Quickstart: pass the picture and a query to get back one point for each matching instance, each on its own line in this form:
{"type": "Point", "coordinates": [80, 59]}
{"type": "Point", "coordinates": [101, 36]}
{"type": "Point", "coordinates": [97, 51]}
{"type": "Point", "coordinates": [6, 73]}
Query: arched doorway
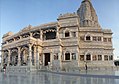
{"type": "Point", "coordinates": [24, 56]}
{"type": "Point", "coordinates": [5, 59]}
{"type": "Point", "coordinates": [14, 58]}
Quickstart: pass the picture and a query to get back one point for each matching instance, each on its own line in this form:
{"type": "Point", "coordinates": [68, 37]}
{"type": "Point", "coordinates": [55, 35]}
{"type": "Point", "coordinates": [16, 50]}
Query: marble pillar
{"type": "Point", "coordinates": [51, 56]}
{"type": "Point", "coordinates": [19, 52]}
{"type": "Point", "coordinates": [91, 56]}
{"type": "Point", "coordinates": [9, 53]}
{"type": "Point", "coordinates": [35, 55]}
{"type": "Point", "coordinates": [41, 34]}
{"type": "Point", "coordinates": [102, 57]}
{"type": "Point", "coordinates": [43, 59]}
{"type": "Point", "coordinates": [30, 55]}
{"type": "Point", "coordinates": [60, 59]}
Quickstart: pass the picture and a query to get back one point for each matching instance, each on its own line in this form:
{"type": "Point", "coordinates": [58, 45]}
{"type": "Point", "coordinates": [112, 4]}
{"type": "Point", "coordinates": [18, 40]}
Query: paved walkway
{"type": "Point", "coordinates": [47, 77]}
{"type": "Point", "coordinates": [84, 75]}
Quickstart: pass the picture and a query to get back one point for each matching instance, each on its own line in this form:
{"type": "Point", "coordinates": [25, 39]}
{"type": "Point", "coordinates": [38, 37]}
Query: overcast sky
{"type": "Point", "coordinates": [17, 14]}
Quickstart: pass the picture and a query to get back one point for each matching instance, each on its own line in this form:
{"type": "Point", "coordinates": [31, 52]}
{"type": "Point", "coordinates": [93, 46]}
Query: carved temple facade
{"type": "Point", "coordinates": [74, 40]}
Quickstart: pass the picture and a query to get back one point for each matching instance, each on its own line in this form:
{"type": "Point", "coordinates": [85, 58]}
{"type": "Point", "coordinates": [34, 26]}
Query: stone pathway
{"type": "Point", "coordinates": [56, 78]}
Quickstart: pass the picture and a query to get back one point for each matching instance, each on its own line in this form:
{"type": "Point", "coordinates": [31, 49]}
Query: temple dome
{"type": "Point", "coordinates": [87, 14]}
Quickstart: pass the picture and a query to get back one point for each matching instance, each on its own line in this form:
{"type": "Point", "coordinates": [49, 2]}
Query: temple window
{"type": "Point", "coordinates": [105, 39]}
{"type": "Point", "coordinates": [11, 40]}
{"type": "Point", "coordinates": [109, 40]}
{"type": "Point", "coordinates": [17, 38]}
{"type": "Point", "coordinates": [99, 38]}
{"type": "Point", "coordinates": [88, 57]}
{"type": "Point", "coordinates": [25, 35]}
{"type": "Point", "coordinates": [94, 57]}
{"type": "Point", "coordinates": [36, 34]}
{"type": "Point", "coordinates": [73, 56]}
{"type": "Point", "coordinates": [111, 57]}
{"type": "Point", "coordinates": [81, 57]}
{"type": "Point", "coordinates": [105, 57]}
{"type": "Point", "coordinates": [49, 34]}
{"type": "Point", "coordinates": [67, 34]}
{"type": "Point", "coordinates": [88, 38]}
{"type": "Point", "coordinates": [99, 57]}
{"type": "Point", "coordinates": [67, 56]}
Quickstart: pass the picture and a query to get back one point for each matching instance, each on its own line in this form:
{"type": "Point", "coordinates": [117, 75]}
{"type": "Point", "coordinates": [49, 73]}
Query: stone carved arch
{"type": "Point", "coordinates": [24, 55]}
{"type": "Point", "coordinates": [14, 57]}
{"type": "Point", "coordinates": [36, 34]}
{"type": "Point", "coordinates": [67, 55]}
{"type": "Point", "coordinates": [5, 58]}
{"type": "Point", "coordinates": [25, 35]}
{"type": "Point", "coordinates": [67, 32]}
{"type": "Point", "coordinates": [88, 55]}
{"type": "Point", "coordinates": [49, 33]}
{"type": "Point", "coordinates": [88, 37]}
{"type": "Point", "coordinates": [14, 50]}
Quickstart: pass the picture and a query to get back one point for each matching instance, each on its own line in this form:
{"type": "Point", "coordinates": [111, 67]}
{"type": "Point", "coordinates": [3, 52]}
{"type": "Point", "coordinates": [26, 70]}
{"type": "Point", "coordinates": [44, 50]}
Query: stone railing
{"type": "Point", "coordinates": [101, 68]}
{"type": "Point", "coordinates": [51, 42]}
{"type": "Point", "coordinates": [107, 30]}
{"type": "Point", "coordinates": [67, 15]}
{"type": "Point", "coordinates": [20, 69]}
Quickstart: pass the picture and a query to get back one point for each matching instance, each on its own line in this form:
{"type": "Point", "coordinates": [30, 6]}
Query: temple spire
{"type": "Point", "coordinates": [86, 0]}
{"type": "Point", "coordinates": [87, 14]}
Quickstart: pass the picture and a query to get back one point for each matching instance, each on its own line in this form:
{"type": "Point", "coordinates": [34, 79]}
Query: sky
{"type": "Point", "coordinates": [17, 14]}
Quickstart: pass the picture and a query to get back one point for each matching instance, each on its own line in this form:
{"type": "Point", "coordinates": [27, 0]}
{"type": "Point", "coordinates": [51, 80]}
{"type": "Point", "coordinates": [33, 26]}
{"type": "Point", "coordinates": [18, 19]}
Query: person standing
{"type": "Point", "coordinates": [4, 68]}
{"type": "Point", "coordinates": [86, 67]}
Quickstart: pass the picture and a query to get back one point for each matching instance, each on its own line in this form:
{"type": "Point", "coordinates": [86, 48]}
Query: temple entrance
{"type": "Point", "coordinates": [47, 58]}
